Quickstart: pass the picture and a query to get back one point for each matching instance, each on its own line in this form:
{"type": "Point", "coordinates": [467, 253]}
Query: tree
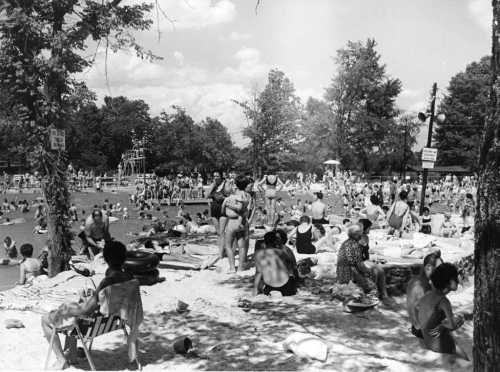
{"type": "Point", "coordinates": [273, 117]}
{"type": "Point", "coordinates": [487, 225]}
{"type": "Point", "coordinates": [217, 148]}
{"type": "Point", "coordinates": [177, 142]}
{"type": "Point", "coordinates": [317, 136]}
{"type": "Point", "coordinates": [121, 118]}
{"type": "Point", "coordinates": [362, 97]}
{"type": "Point", "coordinates": [466, 108]}
{"type": "Point", "coordinates": [42, 46]}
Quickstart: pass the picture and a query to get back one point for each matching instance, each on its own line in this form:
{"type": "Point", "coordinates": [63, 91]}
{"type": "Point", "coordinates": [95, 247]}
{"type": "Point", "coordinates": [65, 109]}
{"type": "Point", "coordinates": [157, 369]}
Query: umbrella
{"type": "Point", "coordinates": [332, 162]}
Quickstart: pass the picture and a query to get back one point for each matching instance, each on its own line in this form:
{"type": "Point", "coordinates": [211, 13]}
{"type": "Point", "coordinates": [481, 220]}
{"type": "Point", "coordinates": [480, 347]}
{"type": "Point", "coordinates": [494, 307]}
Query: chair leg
{"type": "Point", "coordinates": [52, 337]}
{"type": "Point", "coordinates": [87, 354]}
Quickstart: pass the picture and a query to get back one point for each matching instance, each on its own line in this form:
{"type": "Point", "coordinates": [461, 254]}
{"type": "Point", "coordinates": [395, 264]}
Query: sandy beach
{"type": "Point", "coordinates": [227, 338]}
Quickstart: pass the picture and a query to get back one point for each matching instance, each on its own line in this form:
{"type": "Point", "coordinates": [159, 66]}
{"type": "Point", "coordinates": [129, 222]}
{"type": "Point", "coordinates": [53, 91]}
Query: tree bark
{"type": "Point", "coordinates": [486, 350]}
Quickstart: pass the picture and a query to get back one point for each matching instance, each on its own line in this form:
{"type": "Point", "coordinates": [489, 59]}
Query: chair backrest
{"type": "Point", "coordinates": [123, 300]}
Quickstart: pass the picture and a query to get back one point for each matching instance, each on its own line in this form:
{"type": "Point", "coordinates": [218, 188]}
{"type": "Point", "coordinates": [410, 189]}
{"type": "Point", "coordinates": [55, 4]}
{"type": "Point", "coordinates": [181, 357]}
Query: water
{"type": "Point", "coordinates": [84, 201]}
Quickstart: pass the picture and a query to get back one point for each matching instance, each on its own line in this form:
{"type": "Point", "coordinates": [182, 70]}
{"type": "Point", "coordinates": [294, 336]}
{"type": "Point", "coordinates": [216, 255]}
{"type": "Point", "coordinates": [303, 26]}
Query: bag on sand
{"type": "Point", "coordinates": [306, 345]}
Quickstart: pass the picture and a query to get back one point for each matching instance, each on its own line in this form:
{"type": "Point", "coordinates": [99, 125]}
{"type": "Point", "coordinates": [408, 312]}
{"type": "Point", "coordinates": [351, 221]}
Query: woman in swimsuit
{"type": "Point", "coordinates": [237, 226]}
{"type": "Point", "coordinates": [272, 184]}
{"type": "Point", "coordinates": [304, 235]}
{"type": "Point", "coordinates": [434, 313]}
{"type": "Point", "coordinates": [30, 267]}
{"type": "Point", "coordinates": [398, 216]}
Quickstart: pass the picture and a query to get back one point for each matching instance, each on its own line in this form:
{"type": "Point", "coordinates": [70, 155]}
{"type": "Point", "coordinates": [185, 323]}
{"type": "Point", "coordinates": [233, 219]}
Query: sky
{"type": "Point", "coordinates": [215, 51]}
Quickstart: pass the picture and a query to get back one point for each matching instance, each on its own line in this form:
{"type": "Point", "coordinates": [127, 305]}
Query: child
{"type": "Point", "coordinates": [448, 228]}
{"type": "Point", "coordinates": [10, 247]}
{"type": "Point", "coordinates": [426, 222]}
{"type": "Point", "coordinates": [125, 213]}
{"type": "Point", "coordinates": [260, 218]}
{"type": "Point", "coordinates": [231, 208]}
{"type": "Point", "coordinates": [30, 267]}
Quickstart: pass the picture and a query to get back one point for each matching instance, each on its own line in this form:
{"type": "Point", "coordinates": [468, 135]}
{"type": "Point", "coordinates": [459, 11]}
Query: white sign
{"type": "Point", "coordinates": [57, 139]}
{"type": "Point", "coordinates": [427, 164]}
{"type": "Point", "coordinates": [429, 154]}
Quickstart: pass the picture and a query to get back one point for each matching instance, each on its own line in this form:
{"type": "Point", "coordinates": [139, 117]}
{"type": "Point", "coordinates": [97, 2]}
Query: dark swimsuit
{"type": "Point", "coordinates": [288, 289]}
{"type": "Point", "coordinates": [304, 243]}
{"type": "Point", "coordinates": [320, 221]}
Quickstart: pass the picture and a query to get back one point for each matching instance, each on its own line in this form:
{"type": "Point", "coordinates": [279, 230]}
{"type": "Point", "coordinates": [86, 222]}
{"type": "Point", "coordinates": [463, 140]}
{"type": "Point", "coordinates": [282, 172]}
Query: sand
{"type": "Point", "coordinates": [227, 338]}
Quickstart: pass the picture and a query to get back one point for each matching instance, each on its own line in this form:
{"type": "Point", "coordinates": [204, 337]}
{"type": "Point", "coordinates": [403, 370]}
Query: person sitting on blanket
{"type": "Point", "coordinates": [274, 267]}
{"type": "Point", "coordinates": [114, 254]}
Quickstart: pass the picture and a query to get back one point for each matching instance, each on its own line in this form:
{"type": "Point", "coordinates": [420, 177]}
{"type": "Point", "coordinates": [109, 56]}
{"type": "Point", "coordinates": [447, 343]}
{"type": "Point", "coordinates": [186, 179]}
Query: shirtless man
{"type": "Point", "coordinates": [96, 232]}
{"type": "Point", "coordinates": [275, 269]}
{"type": "Point", "coordinates": [318, 210]}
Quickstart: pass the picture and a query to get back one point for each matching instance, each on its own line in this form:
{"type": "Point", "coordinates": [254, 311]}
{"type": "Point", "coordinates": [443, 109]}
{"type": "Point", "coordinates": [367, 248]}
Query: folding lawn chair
{"type": "Point", "coordinates": [120, 305]}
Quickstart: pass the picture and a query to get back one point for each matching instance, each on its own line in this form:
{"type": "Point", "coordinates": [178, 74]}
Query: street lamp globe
{"type": "Point", "coordinates": [441, 117]}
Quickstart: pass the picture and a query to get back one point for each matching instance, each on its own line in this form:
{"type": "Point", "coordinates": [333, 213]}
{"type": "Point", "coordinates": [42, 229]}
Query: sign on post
{"type": "Point", "coordinates": [429, 154]}
{"type": "Point", "coordinates": [427, 164]}
{"type": "Point", "coordinates": [58, 139]}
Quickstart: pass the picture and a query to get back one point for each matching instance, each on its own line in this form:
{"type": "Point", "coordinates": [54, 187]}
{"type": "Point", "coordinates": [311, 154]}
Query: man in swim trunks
{"type": "Point", "coordinates": [318, 210]}
{"type": "Point", "coordinates": [96, 233]}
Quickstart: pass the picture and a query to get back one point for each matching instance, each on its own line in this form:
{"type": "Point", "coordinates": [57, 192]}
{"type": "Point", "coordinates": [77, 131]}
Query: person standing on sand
{"type": "Point", "coordinates": [270, 185]}
{"type": "Point", "coordinates": [318, 210]}
{"type": "Point", "coordinates": [237, 226]}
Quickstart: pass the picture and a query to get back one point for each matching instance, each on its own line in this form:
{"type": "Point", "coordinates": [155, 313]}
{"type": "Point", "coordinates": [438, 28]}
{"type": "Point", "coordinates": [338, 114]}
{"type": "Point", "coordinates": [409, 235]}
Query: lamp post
{"type": "Point", "coordinates": [422, 116]}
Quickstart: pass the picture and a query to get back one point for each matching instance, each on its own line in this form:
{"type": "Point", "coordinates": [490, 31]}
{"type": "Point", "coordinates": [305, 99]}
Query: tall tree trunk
{"type": "Point", "coordinates": [487, 249]}
{"type": "Point", "coordinates": [54, 183]}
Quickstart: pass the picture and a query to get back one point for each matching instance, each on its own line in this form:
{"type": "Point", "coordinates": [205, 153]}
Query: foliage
{"type": "Point", "coordinates": [466, 108]}
{"type": "Point", "coordinates": [362, 97]}
{"type": "Point", "coordinates": [273, 115]}
{"type": "Point", "coordinates": [317, 136]}
{"type": "Point", "coordinates": [43, 42]}
{"type": "Point", "coordinates": [180, 144]}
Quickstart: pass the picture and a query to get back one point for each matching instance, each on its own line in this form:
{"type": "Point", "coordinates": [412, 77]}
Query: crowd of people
{"type": "Point", "coordinates": [289, 228]}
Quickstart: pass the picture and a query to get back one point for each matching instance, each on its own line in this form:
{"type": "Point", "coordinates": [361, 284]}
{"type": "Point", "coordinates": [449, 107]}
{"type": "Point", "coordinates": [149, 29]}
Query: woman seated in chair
{"type": "Point", "coordinates": [114, 254]}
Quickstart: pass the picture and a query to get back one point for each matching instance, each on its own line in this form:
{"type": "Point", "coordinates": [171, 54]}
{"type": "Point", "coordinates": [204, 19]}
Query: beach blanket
{"type": "Point", "coordinates": [46, 295]}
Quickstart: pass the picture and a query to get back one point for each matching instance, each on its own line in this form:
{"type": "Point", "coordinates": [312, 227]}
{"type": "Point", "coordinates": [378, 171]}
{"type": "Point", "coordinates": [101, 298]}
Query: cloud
{"type": "Point", "coordinates": [179, 57]}
{"type": "Point", "coordinates": [237, 36]}
{"type": "Point", "coordinates": [410, 93]}
{"type": "Point", "coordinates": [200, 91]}
{"type": "Point", "coordinates": [191, 14]}
{"type": "Point", "coordinates": [482, 13]}
{"type": "Point", "coordinates": [249, 69]}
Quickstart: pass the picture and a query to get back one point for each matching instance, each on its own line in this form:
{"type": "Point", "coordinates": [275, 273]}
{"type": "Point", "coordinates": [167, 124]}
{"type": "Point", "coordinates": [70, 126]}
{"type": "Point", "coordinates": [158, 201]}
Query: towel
{"type": "Point", "coordinates": [124, 300]}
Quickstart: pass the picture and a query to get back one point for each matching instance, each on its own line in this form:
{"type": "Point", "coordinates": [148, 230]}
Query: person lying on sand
{"type": "Point", "coordinates": [114, 254]}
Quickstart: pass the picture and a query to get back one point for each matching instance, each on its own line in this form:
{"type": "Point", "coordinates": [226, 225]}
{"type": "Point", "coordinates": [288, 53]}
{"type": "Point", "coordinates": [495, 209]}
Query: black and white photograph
{"type": "Point", "coordinates": [250, 185]}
